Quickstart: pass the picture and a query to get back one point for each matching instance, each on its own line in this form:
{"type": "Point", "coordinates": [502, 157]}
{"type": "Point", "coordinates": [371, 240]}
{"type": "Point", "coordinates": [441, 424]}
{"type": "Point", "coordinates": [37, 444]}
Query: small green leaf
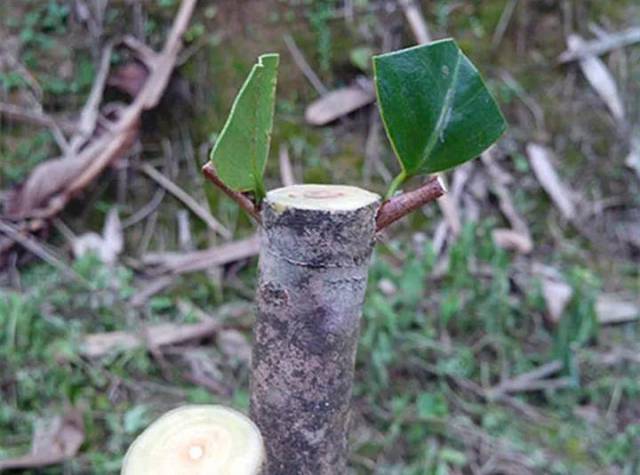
{"type": "Point", "coordinates": [135, 419]}
{"type": "Point", "coordinates": [436, 109]}
{"type": "Point", "coordinates": [361, 57]}
{"type": "Point", "coordinates": [453, 456]}
{"type": "Point", "coordinates": [240, 153]}
{"type": "Point", "coordinates": [431, 405]}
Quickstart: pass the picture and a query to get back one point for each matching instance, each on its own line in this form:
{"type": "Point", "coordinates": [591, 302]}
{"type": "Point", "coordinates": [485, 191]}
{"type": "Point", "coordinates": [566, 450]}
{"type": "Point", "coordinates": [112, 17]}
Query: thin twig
{"type": "Point", "coordinates": [405, 203]}
{"type": "Point", "coordinates": [33, 246]}
{"type": "Point", "coordinates": [148, 232]}
{"type": "Point", "coordinates": [96, 345]}
{"type": "Point", "coordinates": [601, 46]}
{"type": "Point", "coordinates": [243, 201]}
{"type": "Point", "coordinates": [544, 170]}
{"type": "Point", "coordinates": [416, 21]}
{"type": "Point", "coordinates": [146, 210]}
{"type": "Point", "coordinates": [527, 100]}
{"type": "Point", "coordinates": [450, 205]}
{"type": "Point", "coordinates": [503, 23]}
{"type": "Point", "coordinates": [185, 262]}
{"type": "Point", "coordinates": [14, 64]}
{"type": "Point", "coordinates": [163, 67]}
{"type": "Point", "coordinates": [91, 109]}
{"type": "Point", "coordinates": [185, 240]}
{"type": "Point", "coordinates": [25, 115]}
{"type": "Point", "coordinates": [41, 197]}
{"type": "Point", "coordinates": [189, 202]}
{"type": "Point", "coordinates": [532, 381]}
{"type": "Point", "coordinates": [146, 54]}
{"type": "Point", "coordinates": [59, 137]}
{"type": "Point", "coordinates": [601, 80]}
{"type": "Point", "coordinates": [301, 62]}
{"type": "Point", "coordinates": [151, 288]}
{"type": "Point", "coordinates": [286, 171]}
{"type": "Point", "coordinates": [519, 228]}
{"type": "Point", "coordinates": [522, 407]}
{"type": "Point", "coordinates": [21, 114]}
{"type": "Point", "coordinates": [372, 147]}
{"type": "Point", "coordinates": [537, 373]}
{"type": "Point", "coordinates": [534, 385]}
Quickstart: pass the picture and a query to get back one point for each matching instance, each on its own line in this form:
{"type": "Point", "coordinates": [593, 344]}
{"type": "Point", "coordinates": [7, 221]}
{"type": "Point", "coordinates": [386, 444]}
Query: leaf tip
{"type": "Point", "coordinates": [269, 60]}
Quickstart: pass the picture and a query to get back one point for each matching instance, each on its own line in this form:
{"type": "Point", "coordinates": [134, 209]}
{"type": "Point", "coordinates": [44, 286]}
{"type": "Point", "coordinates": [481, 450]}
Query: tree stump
{"type": "Point", "coordinates": [316, 247]}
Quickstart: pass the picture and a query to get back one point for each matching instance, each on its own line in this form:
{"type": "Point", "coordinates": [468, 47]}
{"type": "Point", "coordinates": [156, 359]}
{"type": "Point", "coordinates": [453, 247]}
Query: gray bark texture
{"type": "Point", "coordinates": [312, 281]}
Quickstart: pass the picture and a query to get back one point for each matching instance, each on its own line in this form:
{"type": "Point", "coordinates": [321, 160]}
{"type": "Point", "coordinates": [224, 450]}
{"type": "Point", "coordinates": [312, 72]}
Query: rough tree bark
{"type": "Point", "coordinates": [315, 251]}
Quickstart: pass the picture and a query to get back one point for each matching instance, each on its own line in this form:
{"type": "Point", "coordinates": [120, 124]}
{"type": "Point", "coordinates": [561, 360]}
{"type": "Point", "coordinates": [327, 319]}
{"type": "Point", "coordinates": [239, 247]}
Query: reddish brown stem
{"type": "Point", "coordinates": [401, 205]}
{"type": "Point", "coordinates": [243, 201]}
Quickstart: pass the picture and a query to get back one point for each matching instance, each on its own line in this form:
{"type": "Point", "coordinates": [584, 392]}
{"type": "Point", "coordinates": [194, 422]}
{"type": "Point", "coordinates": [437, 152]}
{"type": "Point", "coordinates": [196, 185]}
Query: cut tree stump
{"type": "Point", "coordinates": [314, 257]}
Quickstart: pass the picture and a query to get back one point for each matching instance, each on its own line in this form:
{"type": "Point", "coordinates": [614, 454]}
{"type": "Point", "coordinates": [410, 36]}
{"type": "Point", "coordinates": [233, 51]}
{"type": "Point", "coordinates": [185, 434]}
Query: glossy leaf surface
{"type": "Point", "coordinates": [436, 109]}
{"type": "Point", "coordinates": [240, 153]}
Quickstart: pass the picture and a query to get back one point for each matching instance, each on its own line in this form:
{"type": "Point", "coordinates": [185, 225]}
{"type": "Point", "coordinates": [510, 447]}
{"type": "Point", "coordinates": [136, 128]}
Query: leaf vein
{"type": "Point", "coordinates": [445, 112]}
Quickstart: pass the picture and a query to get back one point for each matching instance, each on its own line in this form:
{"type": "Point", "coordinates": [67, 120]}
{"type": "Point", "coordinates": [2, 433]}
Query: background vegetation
{"type": "Point", "coordinates": [453, 318]}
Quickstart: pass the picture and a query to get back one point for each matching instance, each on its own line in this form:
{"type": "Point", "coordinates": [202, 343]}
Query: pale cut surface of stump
{"type": "Point", "coordinates": [315, 252]}
{"type": "Point", "coordinates": [197, 440]}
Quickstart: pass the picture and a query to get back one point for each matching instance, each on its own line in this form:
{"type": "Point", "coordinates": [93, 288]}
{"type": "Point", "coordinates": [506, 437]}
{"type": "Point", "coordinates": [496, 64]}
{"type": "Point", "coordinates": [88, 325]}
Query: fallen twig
{"type": "Point", "coordinates": [286, 170]}
{"type": "Point", "coordinates": [562, 196]}
{"type": "Point", "coordinates": [53, 442]}
{"type": "Point", "coordinates": [614, 309]}
{"type": "Point", "coordinates": [91, 110]}
{"type": "Point", "coordinates": [519, 236]}
{"type": "Point", "coordinates": [185, 239]}
{"type": "Point", "coordinates": [600, 79]}
{"type": "Point", "coordinates": [200, 378]}
{"type": "Point", "coordinates": [531, 381]}
{"type": "Point", "coordinates": [301, 62]}
{"type": "Point", "coordinates": [615, 356]}
{"type": "Point", "coordinates": [633, 159]}
{"type": "Point", "coordinates": [34, 117]}
{"type": "Point", "coordinates": [155, 336]}
{"type": "Point", "coordinates": [181, 263]}
{"type": "Point", "coordinates": [189, 202]}
{"type": "Point", "coordinates": [54, 183]}
{"type": "Point", "coordinates": [503, 23]}
{"type": "Point", "coordinates": [416, 21]}
{"type": "Point", "coordinates": [146, 210]}
{"type": "Point", "coordinates": [601, 46]}
{"type": "Point", "coordinates": [162, 67]}
{"type": "Point", "coordinates": [525, 98]}
{"type": "Point", "coordinates": [450, 207]}
{"type": "Point", "coordinates": [372, 150]}
{"type": "Point", "coordinates": [37, 117]}
{"type": "Point", "coordinates": [610, 308]}
{"type": "Point", "coordinates": [338, 103]}
{"type": "Point", "coordinates": [522, 407]}
{"type": "Point", "coordinates": [33, 246]}
{"type": "Point", "coordinates": [146, 54]}
{"type": "Point", "coordinates": [149, 289]}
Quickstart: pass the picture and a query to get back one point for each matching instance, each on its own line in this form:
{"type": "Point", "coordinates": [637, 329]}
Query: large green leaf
{"type": "Point", "coordinates": [240, 153]}
{"type": "Point", "coordinates": [436, 108]}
